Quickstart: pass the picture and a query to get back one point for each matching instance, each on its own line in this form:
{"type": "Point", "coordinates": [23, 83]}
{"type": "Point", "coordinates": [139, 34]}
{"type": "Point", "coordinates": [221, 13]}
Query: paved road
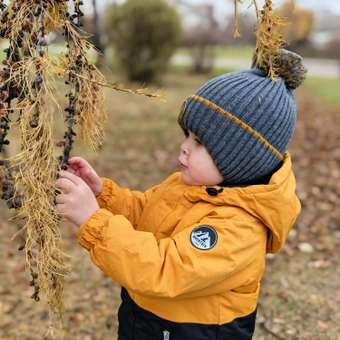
{"type": "Point", "coordinates": [316, 67]}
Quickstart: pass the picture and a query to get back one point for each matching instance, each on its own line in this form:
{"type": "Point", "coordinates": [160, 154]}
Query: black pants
{"type": "Point", "coordinates": [136, 323]}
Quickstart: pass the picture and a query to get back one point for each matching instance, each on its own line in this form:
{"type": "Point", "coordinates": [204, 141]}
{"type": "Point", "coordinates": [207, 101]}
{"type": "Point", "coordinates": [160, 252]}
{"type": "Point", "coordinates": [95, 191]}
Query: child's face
{"type": "Point", "coordinates": [196, 165]}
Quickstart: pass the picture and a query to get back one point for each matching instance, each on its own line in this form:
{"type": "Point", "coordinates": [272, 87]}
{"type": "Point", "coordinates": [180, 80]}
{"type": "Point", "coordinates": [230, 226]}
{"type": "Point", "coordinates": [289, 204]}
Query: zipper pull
{"type": "Point", "coordinates": [166, 335]}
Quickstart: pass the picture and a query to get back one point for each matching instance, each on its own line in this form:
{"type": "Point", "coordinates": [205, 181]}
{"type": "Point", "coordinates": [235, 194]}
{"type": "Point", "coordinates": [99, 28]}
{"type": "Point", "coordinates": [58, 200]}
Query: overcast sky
{"type": "Point", "coordinates": [225, 6]}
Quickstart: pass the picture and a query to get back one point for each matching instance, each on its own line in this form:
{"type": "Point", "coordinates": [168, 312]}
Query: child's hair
{"type": "Point", "coordinates": [246, 120]}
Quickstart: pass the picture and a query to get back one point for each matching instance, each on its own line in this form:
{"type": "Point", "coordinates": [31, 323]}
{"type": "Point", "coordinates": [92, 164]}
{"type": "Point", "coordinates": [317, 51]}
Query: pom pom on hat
{"type": "Point", "coordinates": [289, 67]}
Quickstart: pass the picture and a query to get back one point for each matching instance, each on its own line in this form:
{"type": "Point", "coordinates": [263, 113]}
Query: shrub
{"type": "Point", "coordinates": [144, 34]}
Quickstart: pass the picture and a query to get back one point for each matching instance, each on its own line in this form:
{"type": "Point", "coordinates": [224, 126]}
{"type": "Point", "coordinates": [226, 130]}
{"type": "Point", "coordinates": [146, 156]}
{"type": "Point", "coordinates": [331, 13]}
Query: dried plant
{"type": "Point", "coordinates": [269, 38]}
{"type": "Point", "coordinates": [236, 32]}
{"type": "Point", "coordinates": [27, 88]}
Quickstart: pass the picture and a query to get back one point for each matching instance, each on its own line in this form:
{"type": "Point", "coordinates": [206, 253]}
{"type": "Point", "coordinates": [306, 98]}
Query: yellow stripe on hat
{"type": "Point", "coordinates": [240, 123]}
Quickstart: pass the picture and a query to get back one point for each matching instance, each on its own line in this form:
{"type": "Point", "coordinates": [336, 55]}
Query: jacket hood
{"type": "Point", "coordinates": [274, 204]}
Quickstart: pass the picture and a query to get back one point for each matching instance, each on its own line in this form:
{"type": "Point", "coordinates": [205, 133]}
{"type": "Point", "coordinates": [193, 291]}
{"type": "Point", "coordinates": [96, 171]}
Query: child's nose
{"type": "Point", "coordinates": [184, 148]}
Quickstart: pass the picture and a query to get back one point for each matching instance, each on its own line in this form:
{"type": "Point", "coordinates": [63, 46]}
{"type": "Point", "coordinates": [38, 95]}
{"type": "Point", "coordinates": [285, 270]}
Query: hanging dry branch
{"type": "Point", "coordinates": [269, 40]}
{"type": "Point", "coordinates": [35, 168]}
{"type": "Point", "coordinates": [236, 32]}
{"type": "Point", "coordinates": [27, 88]}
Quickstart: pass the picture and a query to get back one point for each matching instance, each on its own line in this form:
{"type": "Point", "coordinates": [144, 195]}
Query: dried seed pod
{"type": "Point", "coordinates": [25, 25]}
{"type": "Point", "coordinates": [2, 6]}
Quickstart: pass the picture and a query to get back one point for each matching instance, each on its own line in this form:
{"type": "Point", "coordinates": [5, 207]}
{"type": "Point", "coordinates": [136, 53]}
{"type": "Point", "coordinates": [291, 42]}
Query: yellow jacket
{"type": "Point", "coordinates": [147, 242]}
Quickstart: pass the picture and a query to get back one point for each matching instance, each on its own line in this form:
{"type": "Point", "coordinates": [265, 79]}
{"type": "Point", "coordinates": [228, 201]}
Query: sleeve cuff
{"type": "Point", "coordinates": [91, 231]}
{"type": "Point", "coordinates": [106, 192]}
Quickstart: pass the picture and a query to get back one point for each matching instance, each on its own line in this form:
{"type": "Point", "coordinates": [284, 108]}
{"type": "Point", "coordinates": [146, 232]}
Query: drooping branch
{"type": "Point", "coordinates": [27, 101]}
{"type": "Point", "coordinates": [269, 39]}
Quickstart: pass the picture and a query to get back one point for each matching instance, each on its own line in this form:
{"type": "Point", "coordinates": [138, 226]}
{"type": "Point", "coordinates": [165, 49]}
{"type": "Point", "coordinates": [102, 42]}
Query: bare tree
{"type": "Point", "coordinates": [201, 37]}
{"type": "Point", "coordinates": [96, 34]}
{"type": "Point", "coordinates": [301, 22]}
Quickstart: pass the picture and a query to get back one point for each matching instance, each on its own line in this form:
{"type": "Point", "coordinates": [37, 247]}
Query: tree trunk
{"type": "Point", "coordinates": [96, 34]}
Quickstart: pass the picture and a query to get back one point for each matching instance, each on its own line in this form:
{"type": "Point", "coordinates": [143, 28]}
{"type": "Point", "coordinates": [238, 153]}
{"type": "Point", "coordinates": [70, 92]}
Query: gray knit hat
{"type": "Point", "coordinates": [245, 119]}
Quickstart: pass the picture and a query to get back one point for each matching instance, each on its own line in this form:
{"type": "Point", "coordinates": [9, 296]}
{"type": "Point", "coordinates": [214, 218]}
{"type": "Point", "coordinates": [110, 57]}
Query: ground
{"type": "Point", "coordinates": [300, 296]}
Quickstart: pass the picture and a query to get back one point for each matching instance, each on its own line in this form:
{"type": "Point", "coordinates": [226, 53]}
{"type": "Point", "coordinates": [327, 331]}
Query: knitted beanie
{"type": "Point", "coordinates": [245, 119]}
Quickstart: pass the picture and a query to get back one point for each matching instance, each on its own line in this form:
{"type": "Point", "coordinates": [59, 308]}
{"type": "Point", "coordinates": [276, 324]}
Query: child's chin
{"type": "Point", "coordinates": [187, 180]}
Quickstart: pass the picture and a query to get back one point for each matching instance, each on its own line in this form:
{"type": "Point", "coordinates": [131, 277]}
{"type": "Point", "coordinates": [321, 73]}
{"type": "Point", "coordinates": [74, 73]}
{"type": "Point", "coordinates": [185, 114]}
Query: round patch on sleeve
{"type": "Point", "coordinates": [203, 237]}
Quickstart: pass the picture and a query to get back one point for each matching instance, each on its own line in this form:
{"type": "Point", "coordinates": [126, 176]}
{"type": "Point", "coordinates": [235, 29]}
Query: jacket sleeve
{"type": "Point", "coordinates": [170, 267]}
{"type": "Point", "coordinates": [123, 201]}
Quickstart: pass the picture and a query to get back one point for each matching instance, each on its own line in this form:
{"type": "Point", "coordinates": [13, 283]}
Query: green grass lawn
{"type": "Point", "coordinates": [326, 88]}
{"type": "Point", "coordinates": [243, 52]}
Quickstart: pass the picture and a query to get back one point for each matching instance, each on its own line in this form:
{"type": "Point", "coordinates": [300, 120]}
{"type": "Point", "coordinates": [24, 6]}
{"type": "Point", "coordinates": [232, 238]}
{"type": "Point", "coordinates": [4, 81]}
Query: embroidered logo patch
{"type": "Point", "coordinates": [204, 237]}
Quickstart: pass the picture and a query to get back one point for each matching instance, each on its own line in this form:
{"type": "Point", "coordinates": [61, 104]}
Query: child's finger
{"type": "Point", "coordinates": [70, 170]}
{"type": "Point", "coordinates": [64, 185]}
{"type": "Point", "coordinates": [60, 199]}
{"type": "Point", "coordinates": [74, 163]}
{"type": "Point", "coordinates": [73, 178]}
{"type": "Point", "coordinates": [78, 162]}
{"type": "Point", "coordinates": [75, 160]}
{"type": "Point", "coordinates": [88, 174]}
{"type": "Point", "coordinates": [61, 209]}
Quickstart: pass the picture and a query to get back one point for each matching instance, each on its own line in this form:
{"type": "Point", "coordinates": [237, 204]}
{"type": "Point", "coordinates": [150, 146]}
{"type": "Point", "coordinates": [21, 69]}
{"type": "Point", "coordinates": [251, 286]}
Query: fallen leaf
{"type": "Point", "coordinates": [319, 264]}
{"type": "Point", "coordinates": [323, 326]}
{"type": "Point", "coordinates": [277, 320]}
{"type": "Point", "coordinates": [306, 247]}
{"type": "Point", "coordinates": [290, 331]}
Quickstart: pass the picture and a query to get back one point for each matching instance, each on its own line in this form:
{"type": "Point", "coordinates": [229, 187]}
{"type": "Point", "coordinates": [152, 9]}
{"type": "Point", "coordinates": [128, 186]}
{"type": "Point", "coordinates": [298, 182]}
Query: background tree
{"type": "Point", "coordinates": [93, 27]}
{"type": "Point", "coordinates": [145, 35]}
{"type": "Point", "coordinates": [201, 33]}
{"type": "Point", "coordinates": [201, 40]}
{"type": "Point", "coordinates": [96, 34]}
{"type": "Point", "coordinates": [300, 23]}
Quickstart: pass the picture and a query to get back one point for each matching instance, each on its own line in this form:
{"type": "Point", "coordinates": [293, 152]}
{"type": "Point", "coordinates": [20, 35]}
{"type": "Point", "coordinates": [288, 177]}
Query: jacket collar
{"type": "Point", "coordinates": [222, 195]}
{"type": "Point", "coordinates": [274, 204]}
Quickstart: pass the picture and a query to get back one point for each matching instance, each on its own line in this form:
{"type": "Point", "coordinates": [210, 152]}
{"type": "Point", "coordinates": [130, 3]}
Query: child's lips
{"type": "Point", "coordinates": [182, 166]}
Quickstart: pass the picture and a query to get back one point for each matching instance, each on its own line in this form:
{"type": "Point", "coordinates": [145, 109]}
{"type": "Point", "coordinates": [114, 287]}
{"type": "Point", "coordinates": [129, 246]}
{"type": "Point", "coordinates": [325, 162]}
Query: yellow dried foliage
{"type": "Point", "coordinates": [35, 175]}
{"type": "Point", "coordinates": [300, 21]}
{"type": "Point", "coordinates": [33, 76]}
{"type": "Point", "coordinates": [269, 39]}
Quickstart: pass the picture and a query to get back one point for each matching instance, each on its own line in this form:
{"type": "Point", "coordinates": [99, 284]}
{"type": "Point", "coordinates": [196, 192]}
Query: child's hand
{"type": "Point", "coordinates": [84, 170]}
{"type": "Point", "coordinates": [76, 202]}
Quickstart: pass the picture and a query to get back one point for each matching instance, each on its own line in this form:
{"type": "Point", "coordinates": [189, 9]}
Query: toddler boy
{"type": "Point", "coordinates": [190, 252]}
